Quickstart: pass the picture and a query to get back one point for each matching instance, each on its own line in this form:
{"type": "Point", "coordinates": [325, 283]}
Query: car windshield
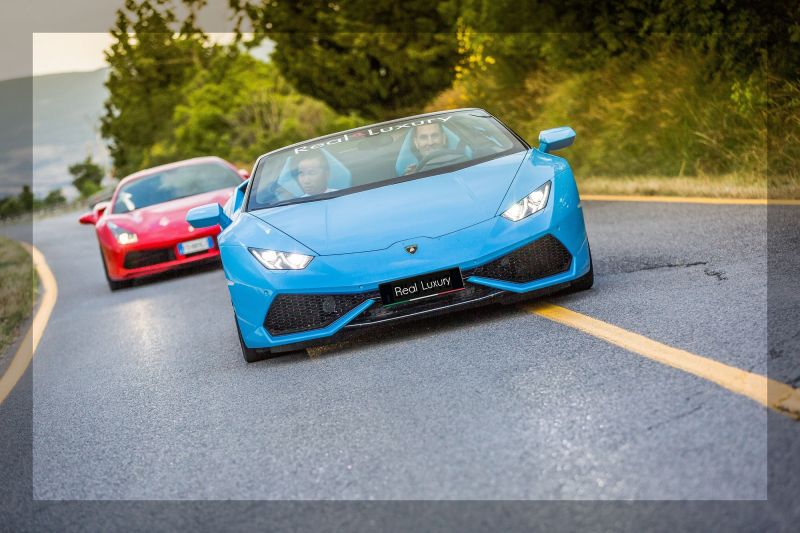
{"type": "Point", "coordinates": [378, 155]}
{"type": "Point", "coordinates": [174, 183]}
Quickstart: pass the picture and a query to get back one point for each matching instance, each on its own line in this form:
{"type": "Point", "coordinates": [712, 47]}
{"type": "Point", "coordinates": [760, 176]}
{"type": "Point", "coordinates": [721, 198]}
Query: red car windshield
{"type": "Point", "coordinates": [174, 183]}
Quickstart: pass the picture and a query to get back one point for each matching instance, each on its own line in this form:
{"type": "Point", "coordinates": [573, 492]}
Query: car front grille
{"type": "Point", "coordinates": [143, 258]}
{"type": "Point", "coordinates": [542, 258]}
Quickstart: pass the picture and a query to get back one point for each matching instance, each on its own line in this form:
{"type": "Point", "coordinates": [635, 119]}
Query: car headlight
{"type": "Point", "coordinates": [533, 203]}
{"type": "Point", "coordinates": [275, 260]}
{"type": "Point", "coordinates": [122, 235]}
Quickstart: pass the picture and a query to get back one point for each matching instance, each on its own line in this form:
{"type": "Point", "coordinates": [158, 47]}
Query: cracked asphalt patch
{"type": "Point", "coordinates": [629, 265]}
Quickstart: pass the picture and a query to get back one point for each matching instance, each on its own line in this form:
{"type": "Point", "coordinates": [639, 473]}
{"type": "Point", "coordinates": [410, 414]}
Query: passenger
{"type": "Point", "coordinates": [312, 173]}
{"type": "Point", "coordinates": [427, 139]}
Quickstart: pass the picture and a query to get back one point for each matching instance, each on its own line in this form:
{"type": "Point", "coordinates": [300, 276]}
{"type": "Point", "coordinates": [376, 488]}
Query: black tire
{"type": "Point", "coordinates": [114, 285]}
{"type": "Point", "coordinates": [585, 282]}
{"type": "Point", "coordinates": [251, 355]}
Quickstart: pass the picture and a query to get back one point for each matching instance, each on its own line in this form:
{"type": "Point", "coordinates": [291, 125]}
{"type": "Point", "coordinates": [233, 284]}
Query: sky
{"type": "Point", "coordinates": [79, 52]}
{"type": "Point", "coordinates": [41, 21]}
{"type": "Point", "coordinates": [68, 52]}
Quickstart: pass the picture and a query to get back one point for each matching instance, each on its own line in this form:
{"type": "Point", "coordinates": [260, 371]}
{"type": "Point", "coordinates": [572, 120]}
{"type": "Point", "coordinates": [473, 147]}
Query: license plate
{"type": "Point", "coordinates": [197, 245]}
{"type": "Point", "coordinates": [424, 286]}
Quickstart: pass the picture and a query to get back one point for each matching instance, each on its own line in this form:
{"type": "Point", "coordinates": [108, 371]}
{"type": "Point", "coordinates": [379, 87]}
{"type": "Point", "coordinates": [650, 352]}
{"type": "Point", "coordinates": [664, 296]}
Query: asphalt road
{"type": "Point", "coordinates": [143, 394]}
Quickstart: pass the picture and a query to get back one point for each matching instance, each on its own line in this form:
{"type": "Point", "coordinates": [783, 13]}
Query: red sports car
{"type": "Point", "coordinates": [143, 229]}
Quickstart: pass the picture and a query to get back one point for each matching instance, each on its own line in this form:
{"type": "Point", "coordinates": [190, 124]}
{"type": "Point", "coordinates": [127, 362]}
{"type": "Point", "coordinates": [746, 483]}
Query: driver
{"type": "Point", "coordinates": [427, 138]}
{"type": "Point", "coordinates": [312, 172]}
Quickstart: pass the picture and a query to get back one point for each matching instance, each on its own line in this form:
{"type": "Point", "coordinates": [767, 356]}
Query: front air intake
{"type": "Point", "coordinates": [542, 258]}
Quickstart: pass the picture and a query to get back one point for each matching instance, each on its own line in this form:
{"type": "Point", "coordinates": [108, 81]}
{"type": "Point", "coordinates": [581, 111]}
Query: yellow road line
{"type": "Point", "coordinates": [767, 392]}
{"type": "Point", "coordinates": [686, 200]}
{"type": "Point", "coordinates": [26, 350]}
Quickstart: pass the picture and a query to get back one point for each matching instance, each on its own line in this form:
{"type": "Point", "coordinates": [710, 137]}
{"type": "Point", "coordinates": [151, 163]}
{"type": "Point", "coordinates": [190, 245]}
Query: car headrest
{"type": "Point", "coordinates": [406, 155]}
{"type": "Point", "coordinates": [338, 177]}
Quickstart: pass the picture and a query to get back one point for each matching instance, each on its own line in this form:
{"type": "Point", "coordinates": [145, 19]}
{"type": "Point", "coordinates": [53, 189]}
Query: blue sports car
{"type": "Point", "coordinates": [398, 220]}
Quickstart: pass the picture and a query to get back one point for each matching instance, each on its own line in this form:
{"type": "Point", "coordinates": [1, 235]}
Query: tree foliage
{"type": "Point", "coordinates": [250, 111]}
{"type": "Point", "coordinates": [87, 176]}
{"type": "Point", "coordinates": [651, 86]}
{"type": "Point", "coordinates": [576, 35]}
{"type": "Point", "coordinates": [378, 59]}
{"type": "Point", "coordinates": [54, 198]}
{"type": "Point", "coordinates": [25, 202]}
{"type": "Point", "coordinates": [174, 94]}
{"type": "Point", "coordinates": [151, 60]}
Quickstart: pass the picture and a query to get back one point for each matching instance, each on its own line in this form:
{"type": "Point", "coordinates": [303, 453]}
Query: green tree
{"type": "Point", "coordinates": [86, 176]}
{"type": "Point", "coordinates": [251, 110]}
{"type": "Point", "coordinates": [9, 207]}
{"type": "Point", "coordinates": [736, 34]}
{"type": "Point", "coordinates": [54, 198]}
{"type": "Point", "coordinates": [25, 198]}
{"type": "Point", "coordinates": [660, 87]}
{"type": "Point", "coordinates": [378, 59]}
{"type": "Point", "coordinates": [151, 60]}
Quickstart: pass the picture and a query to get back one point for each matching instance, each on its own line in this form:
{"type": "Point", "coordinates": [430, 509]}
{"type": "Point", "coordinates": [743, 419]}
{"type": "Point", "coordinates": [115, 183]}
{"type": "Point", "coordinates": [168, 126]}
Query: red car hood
{"type": "Point", "coordinates": [168, 219]}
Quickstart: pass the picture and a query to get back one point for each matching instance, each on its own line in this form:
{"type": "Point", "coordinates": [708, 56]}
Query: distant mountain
{"type": "Point", "coordinates": [66, 111]}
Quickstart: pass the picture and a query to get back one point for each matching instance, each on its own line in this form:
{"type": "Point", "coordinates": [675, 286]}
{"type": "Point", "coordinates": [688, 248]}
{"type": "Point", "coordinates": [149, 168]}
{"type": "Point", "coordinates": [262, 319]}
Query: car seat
{"type": "Point", "coordinates": [339, 176]}
{"type": "Point", "coordinates": [407, 157]}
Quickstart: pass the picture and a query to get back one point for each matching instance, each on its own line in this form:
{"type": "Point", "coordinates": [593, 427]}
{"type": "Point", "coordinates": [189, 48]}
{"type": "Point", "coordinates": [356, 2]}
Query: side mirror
{"type": "Point", "coordinates": [88, 218]}
{"type": "Point", "coordinates": [556, 139]}
{"type": "Point", "coordinates": [207, 215]}
{"type": "Point", "coordinates": [243, 173]}
{"type": "Point", "coordinates": [94, 215]}
{"type": "Point", "coordinates": [100, 208]}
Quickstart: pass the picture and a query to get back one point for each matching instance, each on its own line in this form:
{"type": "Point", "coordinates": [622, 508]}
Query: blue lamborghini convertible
{"type": "Point", "coordinates": [394, 221]}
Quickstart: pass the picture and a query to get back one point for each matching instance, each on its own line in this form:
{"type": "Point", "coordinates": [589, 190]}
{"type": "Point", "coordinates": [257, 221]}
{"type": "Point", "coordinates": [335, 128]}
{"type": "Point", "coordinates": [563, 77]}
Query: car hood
{"type": "Point", "coordinates": [167, 217]}
{"type": "Point", "coordinates": [377, 218]}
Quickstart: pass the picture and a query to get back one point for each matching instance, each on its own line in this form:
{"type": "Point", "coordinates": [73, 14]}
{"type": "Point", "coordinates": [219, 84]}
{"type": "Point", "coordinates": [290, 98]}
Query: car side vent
{"type": "Point", "coordinates": [291, 313]}
{"type": "Point", "coordinates": [542, 258]}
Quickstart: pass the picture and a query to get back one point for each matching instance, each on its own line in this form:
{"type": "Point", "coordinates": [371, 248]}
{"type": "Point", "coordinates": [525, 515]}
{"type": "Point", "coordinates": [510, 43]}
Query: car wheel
{"type": "Point", "coordinates": [251, 355]}
{"type": "Point", "coordinates": [114, 285]}
{"type": "Point", "coordinates": [586, 281]}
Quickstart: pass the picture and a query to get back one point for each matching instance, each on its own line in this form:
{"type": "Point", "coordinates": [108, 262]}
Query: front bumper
{"type": "Point", "coordinates": [543, 258]}
{"type": "Point", "coordinates": [344, 288]}
{"type": "Point", "coordinates": [154, 257]}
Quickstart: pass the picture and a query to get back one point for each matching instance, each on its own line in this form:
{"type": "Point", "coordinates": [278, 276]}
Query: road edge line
{"type": "Point", "coordinates": [685, 199]}
{"type": "Point", "coordinates": [24, 355]}
{"type": "Point", "coordinates": [767, 392]}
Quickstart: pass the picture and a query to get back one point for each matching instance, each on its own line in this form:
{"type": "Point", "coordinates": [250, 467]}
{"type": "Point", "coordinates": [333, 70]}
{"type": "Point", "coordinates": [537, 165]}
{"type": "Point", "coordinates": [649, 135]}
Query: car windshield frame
{"type": "Point", "coordinates": [518, 145]}
{"type": "Point", "coordinates": [165, 171]}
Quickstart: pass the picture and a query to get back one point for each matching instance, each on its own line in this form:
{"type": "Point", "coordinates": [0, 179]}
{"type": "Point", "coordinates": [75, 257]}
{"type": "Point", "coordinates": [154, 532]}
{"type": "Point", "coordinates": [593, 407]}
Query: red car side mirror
{"type": "Point", "coordinates": [243, 173]}
{"type": "Point", "coordinates": [94, 215]}
{"type": "Point", "coordinates": [88, 218]}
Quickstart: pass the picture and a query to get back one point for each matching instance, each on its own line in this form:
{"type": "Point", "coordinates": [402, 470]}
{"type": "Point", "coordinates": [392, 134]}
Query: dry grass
{"type": "Point", "coordinates": [726, 186]}
{"type": "Point", "coordinates": [18, 287]}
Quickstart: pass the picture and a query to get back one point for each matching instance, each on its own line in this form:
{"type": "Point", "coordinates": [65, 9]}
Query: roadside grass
{"type": "Point", "coordinates": [19, 286]}
{"type": "Point", "coordinates": [733, 186]}
{"type": "Point", "coordinates": [724, 186]}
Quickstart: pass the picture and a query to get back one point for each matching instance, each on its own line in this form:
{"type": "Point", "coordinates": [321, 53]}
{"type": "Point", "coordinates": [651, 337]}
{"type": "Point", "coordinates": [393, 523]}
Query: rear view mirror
{"type": "Point", "coordinates": [207, 215]}
{"type": "Point", "coordinates": [556, 139]}
{"type": "Point", "coordinates": [94, 215]}
{"type": "Point", "coordinates": [88, 218]}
